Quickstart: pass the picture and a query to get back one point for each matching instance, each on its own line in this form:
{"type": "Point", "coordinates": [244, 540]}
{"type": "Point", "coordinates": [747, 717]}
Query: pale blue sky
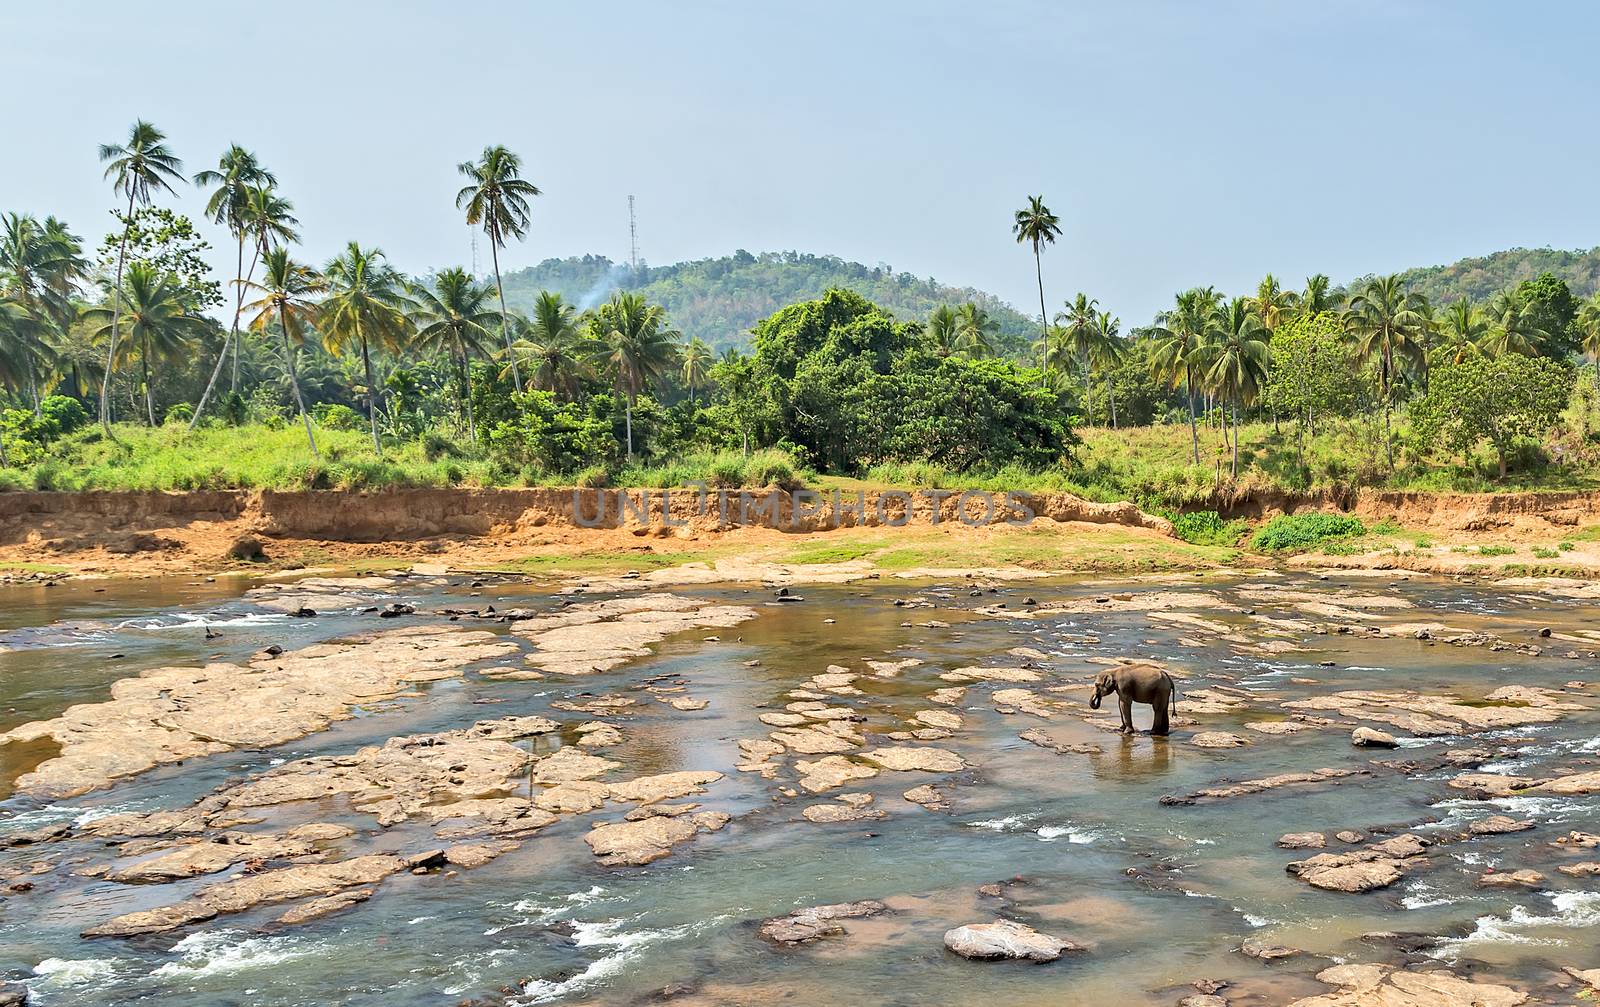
{"type": "Point", "coordinates": [1180, 142]}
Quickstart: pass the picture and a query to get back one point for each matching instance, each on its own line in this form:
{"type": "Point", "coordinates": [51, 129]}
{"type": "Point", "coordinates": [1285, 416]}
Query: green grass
{"type": "Point", "coordinates": [17, 566]}
{"type": "Point", "coordinates": [830, 553]}
{"type": "Point", "coordinates": [1206, 527]}
{"type": "Point", "coordinates": [1495, 550]}
{"type": "Point", "coordinates": [1300, 532]}
{"type": "Point", "coordinates": [1542, 553]}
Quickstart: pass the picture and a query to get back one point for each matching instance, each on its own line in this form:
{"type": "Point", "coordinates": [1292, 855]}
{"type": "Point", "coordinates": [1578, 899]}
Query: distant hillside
{"type": "Point", "coordinates": [720, 299]}
{"type": "Point", "coordinates": [1481, 278]}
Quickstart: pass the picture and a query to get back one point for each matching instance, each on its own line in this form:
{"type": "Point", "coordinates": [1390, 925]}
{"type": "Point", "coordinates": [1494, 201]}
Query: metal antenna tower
{"type": "Point", "coordinates": [474, 232]}
{"type": "Point", "coordinates": [633, 238]}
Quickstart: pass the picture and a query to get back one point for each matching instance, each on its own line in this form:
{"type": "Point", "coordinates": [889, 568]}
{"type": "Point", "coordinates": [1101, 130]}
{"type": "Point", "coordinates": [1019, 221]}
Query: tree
{"type": "Point", "coordinates": [975, 330]}
{"type": "Point", "coordinates": [632, 343]}
{"type": "Point", "coordinates": [1079, 337]}
{"type": "Point", "coordinates": [1180, 341]}
{"type": "Point", "coordinates": [365, 305]}
{"type": "Point", "coordinates": [944, 331]}
{"type": "Point", "coordinates": [1272, 304]}
{"type": "Point", "coordinates": [158, 316]}
{"type": "Point", "coordinates": [1588, 324]}
{"type": "Point", "coordinates": [1464, 330]}
{"type": "Point", "coordinates": [1513, 327]}
{"type": "Point", "coordinates": [1035, 225]}
{"type": "Point", "coordinates": [1109, 352]}
{"type": "Point", "coordinates": [1314, 300]}
{"type": "Point", "coordinates": [1551, 309]}
{"type": "Point", "coordinates": [696, 366]}
{"type": "Point", "coordinates": [1313, 371]}
{"type": "Point", "coordinates": [497, 198]}
{"type": "Point", "coordinates": [41, 265]}
{"type": "Point", "coordinates": [551, 348]}
{"type": "Point", "coordinates": [141, 165]}
{"type": "Point", "coordinates": [1388, 327]}
{"type": "Point", "coordinates": [1500, 399]}
{"type": "Point", "coordinates": [287, 290]}
{"type": "Point", "coordinates": [454, 317]}
{"type": "Point", "coordinates": [1239, 360]}
{"type": "Point", "coordinates": [237, 177]}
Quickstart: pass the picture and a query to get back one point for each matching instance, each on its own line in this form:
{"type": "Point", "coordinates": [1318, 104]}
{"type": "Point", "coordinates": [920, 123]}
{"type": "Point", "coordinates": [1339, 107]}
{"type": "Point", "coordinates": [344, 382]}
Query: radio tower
{"type": "Point", "coordinates": [474, 232]}
{"type": "Point", "coordinates": [633, 239]}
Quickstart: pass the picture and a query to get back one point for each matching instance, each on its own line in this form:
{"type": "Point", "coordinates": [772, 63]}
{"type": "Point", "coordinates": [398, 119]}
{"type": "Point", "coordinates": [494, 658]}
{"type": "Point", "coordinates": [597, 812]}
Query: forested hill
{"type": "Point", "coordinates": [1481, 278]}
{"type": "Point", "coordinates": [720, 299]}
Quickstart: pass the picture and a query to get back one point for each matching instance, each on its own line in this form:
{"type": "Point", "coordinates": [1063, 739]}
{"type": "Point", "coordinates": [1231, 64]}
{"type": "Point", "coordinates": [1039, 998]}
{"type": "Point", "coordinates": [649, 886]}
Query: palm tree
{"type": "Point", "coordinates": [454, 317]}
{"type": "Point", "coordinates": [158, 319]}
{"type": "Point", "coordinates": [1388, 326]}
{"type": "Point", "coordinates": [40, 267]}
{"type": "Point", "coordinates": [1589, 326]}
{"type": "Point", "coordinates": [1513, 329]}
{"type": "Point", "coordinates": [1079, 336]}
{"type": "Point", "coordinates": [696, 366]}
{"type": "Point", "coordinates": [365, 305]}
{"type": "Point", "coordinates": [497, 198]}
{"type": "Point", "coordinates": [975, 330]}
{"type": "Point", "coordinates": [632, 342]}
{"type": "Point", "coordinates": [1239, 360]}
{"type": "Point", "coordinates": [1464, 328]}
{"type": "Point", "coordinates": [1180, 335]}
{"type": "Point", "coordinates": [237, 177]}
{"type": "Point", "coordinates": [550, 350]}
{"type": "Point", "coordinates": [1315, 300]}
{"type": "Point", "coordinates": [137, 167]}
{"type": "Point", "coordinates": [1108, 352]}
{"type": "Point", "coordinates": [944, 330]}
{"type": "Point", "coordinates": [1272, 303]}
{"type": "Point", "coordinates": [1035, 225]}
{"type": "Point", "coordinates": [287, 290]}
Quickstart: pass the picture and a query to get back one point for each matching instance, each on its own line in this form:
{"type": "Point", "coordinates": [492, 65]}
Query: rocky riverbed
{"type": "Point", "coordinates": [419, 787]}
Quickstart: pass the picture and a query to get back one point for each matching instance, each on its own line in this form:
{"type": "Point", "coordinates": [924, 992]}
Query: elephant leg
{"type": "Point", "coordinates": [1162, 725]}
{"type": "Point", "coordinates": [1126, 706]}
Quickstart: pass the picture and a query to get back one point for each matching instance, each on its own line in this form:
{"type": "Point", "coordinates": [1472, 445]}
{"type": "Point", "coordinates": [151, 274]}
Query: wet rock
{"type": "Point", "coordinates": [195, 859]}
{"type": "Point", "coordinates": [569, 764]}
{"type": "Point", "coordinates": [1496, 824]}
{"type": "Point", "coordinates": [1035, 736]}
{"type": "Point", "coordinates": [1377, 986]}
{"type": "Point", "coordinates": [1302, 841]}
{"type": "Point", "coordinates": [1588, 869]}
{"type": "Point", "coordinates": [1276, 727]}
{"type": "Point", "coordinates": [1203, 1000]}
{"type": "Point", "coordinates": [664, 786]}
{"type": "Point", "coordinates": [637, 843]}
{"type": "Point", "coordinates": [13, 994]}
{"type": "Point", "coordinates": [804, 925]}
{"type": "Point", "coordinates": [475, 854]}
{"type": "Point", "coordinates": [598, 734]}
{"type": "Point", "coordinates": [852, 808]}
{"type": "Point", "coordinates": [830, 772]}
{"type": "Point", "coordinates": [394, 610]}
{"type": "Point", "coordinates": [927, 797]}
{"type": "Point", "coordinates": [1349, 836]}
{"type": "Point", "coordinates": [32, 837]}
{"type": "Point", "coordinates": [1377, 865]}
{"type": "Point", "coordinates": [597, 636]}
{"type": "Point", "coordinates": [1217, 739]}
{"type": "Point", "coordinates": [1577, 784]}
{"type": "Point", "coordinates": [325, 906]}
{"type": "Point", "coordinates": [1508, 879]}
{"type": "Point", "coordinates": [575, 797]}
{"type": "Point", "coordinates": [1267, 952]}
{"type": "Point", "coordinates": [1249, 787]}
{"type": "Point", "coordinates": [1491, 784]}
{"type": "Point", "coordinates": [1006, 939]}
{"type": "Point", "coordinates": [1367, 737]}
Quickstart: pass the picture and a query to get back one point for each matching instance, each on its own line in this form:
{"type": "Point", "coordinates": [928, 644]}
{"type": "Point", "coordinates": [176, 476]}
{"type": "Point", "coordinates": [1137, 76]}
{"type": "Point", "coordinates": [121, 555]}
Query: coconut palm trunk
{"type": "Point", "coordinates": [144, 370]}
{"type": "Point", "coordinates": [294, 381]}
{"type": "Point", "coordinates": [372, 396]}
{"type": "Point", "coordinates": [1194, 431]}
{"type": "Point", "coordinates": [1111, 392]}
{"type": "Point", "coordinates": [232, 337]}
{"type": "Point", "coordinates": [466, 381]}
{"type": "Point", "coordinates": [1044, 316]}
{"type": "Point", "coordinates": [505, 316]}
{"type": "Point", "coordinates": [1236, 438]}
{"type": "Point", "coordinates": [116, 321]}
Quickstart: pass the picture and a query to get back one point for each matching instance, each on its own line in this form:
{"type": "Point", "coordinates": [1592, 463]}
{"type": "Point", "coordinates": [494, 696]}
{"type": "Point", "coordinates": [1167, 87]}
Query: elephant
{"type": "Point", "coordinates": [1138, 683]}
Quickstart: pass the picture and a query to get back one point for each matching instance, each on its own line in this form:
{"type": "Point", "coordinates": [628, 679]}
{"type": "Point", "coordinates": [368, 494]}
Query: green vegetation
{"type": "Point", "coordinates": [1299, 532]}
{"type": "Point", "coordinates": [1206, 527]}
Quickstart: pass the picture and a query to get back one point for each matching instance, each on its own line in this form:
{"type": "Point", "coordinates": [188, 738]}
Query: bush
{"type": "Point", "coordinates": [595, 477]}
{"type": "Point", "coordinates": [1298, 532]}
{"type": "Point", "coordinates": [63, 413]}
{"type": "Point", "coordinates": [180, 412]}
{"type": "Point", "coordinates": [337, 416]}
{"type": "Point", "coordinates": [1206, 527]}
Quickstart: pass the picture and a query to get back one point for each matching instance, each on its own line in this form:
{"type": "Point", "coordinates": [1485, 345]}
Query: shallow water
{"type": "Point", "coordinates": [1162, 895]}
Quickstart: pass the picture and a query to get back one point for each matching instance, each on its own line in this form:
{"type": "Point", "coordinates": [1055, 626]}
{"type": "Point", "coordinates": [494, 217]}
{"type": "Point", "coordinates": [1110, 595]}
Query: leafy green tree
{"type": "Point", "coordinates": [1181, 334]}
{"type": "Point", "coordinates": [551, 348]}
{"type": "Point", "coordinates": [1551, 308]}
{"type": "Point", "coordinates": [1514, 327]}
{"type": "Point", "coordinates": [1588, 326]}
{"type": "Point", "coordinates": [1503, 400]}
{"type": "Point", "coordinates": [235, 180]}
{"type": "Point", "coordinates": [1388, 326]}
{"type": "Point", "coordinates": [497, 198]}
{"type": "Point", "coordinates": [1463, 330]}
{"type": "Point", "coordinates": [633, 344]}
{"type": "Point", "coordinates": [160, 318]}
{"type": "Point", "coordinates": [141, 165]}
{"type": "Point", "coordinates": [1239, 360]}
{"type": "Point", "coordinates": [1036, 226]}
{"type": "Point", "coordinates": [366, 304]}
{"type": "Point", "coordinates": [552, 437]}
{"type": "Point", "coordinates": [454, 318]}
{"type": "Point", "coordinates": [288, 290]}
{"type": "Point", "coordinates": [1313, 372]}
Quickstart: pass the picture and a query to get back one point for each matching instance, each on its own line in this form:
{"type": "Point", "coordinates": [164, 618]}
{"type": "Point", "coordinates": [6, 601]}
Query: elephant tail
{"type": "Point", "coordinates": [1173, 698]}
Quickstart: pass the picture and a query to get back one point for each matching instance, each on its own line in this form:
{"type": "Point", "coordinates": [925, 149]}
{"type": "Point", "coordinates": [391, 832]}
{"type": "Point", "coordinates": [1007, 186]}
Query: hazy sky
{"type": "Point", "coordinates": [1180, 143]}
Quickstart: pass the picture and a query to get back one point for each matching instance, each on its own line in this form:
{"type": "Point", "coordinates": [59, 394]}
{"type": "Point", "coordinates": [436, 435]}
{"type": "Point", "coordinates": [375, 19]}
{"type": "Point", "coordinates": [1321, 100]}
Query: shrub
{"type": "Point", "coordinates": [1540, 552]}
{"type": "Point", "coordinates": [1495, 550]}
{"type": "Point", "coordinates": [1298, 532]}
{"type": "Point", "coordinates": [337, 416]}
{"type": "Point", "coordinates": [179, 412]}
{"type": "Point", "coordinates": [63, 413]}
{"type": "Point", "coordinates": [595, 477]}
{"type": "Point", "coordinates": [1206, 527]}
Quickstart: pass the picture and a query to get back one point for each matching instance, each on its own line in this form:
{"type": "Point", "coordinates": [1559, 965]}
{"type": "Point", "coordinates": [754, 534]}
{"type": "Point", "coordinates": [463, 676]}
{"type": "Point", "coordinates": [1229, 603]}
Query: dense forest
{"type": "Point", "coordinates": [1481, 277]}
{"type": "Point", "coordinates": [128, 363]}
{"type": "Point", "coordinates": [720, 300]}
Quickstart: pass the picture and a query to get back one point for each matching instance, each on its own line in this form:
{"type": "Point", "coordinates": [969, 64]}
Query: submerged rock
{"type": "Point", "coordinates": [904, 758]}
{"type": "Point", "coordinates": [1496, 824]}
{"type": "Point", "coordinates": [1006, 939]}
{"type": "Point", "coordinates": [1217, 739]}
{"type": "Point", "coordinates": [804, 925]}
{"type": "Point", "coordinates": [597, 636]}
{"type": "Point", "coordinates": [1302, 841]}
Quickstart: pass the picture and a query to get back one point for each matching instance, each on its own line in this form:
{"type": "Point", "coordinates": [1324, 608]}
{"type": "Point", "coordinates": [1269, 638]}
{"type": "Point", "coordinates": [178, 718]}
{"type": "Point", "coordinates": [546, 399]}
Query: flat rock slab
{"type": "Point", "coordinates": [632, 844]}
{"type": "Point", "coordinates": [905, 758]}
{"type": "Point", "coordinates": [1006, 939]}
{"type": "Point", "coordinates": [1376, 986]}
{"type": "Point", "coordinates": [598, 636]}
{"type": "Point", "coordinates": [804, 925]}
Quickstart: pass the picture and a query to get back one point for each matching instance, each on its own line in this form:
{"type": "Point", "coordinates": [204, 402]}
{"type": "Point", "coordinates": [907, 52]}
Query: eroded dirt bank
{"type": "Point", "coordinates": [1445, 512]}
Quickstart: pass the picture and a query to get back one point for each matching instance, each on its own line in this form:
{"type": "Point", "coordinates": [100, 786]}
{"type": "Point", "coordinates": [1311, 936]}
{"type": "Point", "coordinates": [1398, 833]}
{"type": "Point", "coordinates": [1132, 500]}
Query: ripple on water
{"type": "Point", "coordinates": [220, 952]}
{"type": "Point", "coordinates": [1572, 911]}
{"type": "Point", "coordinates": [625, 945]}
